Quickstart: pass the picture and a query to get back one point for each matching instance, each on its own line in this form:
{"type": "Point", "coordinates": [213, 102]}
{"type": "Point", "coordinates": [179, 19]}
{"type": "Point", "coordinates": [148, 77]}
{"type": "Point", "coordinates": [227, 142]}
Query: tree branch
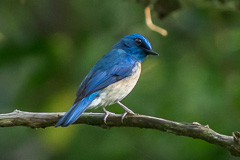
{"type": "Point", "coordinates": [194, 130]}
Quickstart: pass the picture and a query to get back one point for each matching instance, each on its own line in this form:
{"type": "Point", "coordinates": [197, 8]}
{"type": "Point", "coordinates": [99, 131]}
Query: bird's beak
{"type": "Point", "coordinates": [150, 52]}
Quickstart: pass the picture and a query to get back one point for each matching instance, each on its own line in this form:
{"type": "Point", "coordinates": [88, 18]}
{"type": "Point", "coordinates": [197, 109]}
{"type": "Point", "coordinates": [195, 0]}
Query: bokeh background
{"type": "Point", "coordinates": [47, 47]}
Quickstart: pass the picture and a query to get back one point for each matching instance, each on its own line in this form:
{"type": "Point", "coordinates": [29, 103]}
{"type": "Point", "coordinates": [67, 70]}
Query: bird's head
{"type": "Point", "coordinates": [136, 45]}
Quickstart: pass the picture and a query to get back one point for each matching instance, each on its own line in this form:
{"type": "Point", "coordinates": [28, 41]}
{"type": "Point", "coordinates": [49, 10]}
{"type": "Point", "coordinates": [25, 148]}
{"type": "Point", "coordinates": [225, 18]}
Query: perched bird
{"type": "Point", "coordinates": [111, 79]}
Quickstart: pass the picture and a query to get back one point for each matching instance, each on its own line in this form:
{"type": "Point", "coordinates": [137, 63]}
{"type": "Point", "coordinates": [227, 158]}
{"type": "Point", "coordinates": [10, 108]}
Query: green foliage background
{"type": "Point", "coordinates": [47, 47]}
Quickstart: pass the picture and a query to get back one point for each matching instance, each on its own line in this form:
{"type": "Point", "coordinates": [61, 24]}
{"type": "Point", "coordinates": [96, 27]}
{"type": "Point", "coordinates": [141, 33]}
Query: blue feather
{"type": "Point", "coordinates": [106, 72]}
{"type": "Point", "coordinates": [76, 110]}
{"type": "Point", "coordinates": [118, 64]}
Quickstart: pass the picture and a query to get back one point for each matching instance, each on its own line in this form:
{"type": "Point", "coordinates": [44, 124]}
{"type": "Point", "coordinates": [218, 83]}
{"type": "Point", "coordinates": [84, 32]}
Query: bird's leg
{"type": "Point", "coordinates": [127, 110]}
{"type": "Point", "coordinates": [106, 115]}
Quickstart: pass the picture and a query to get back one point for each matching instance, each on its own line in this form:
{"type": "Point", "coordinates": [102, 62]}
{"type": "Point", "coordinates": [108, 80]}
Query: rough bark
{"type": "Point", "coordinates": [194, 130]}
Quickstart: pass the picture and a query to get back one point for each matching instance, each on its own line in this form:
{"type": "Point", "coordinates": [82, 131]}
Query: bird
{"type": "Point", "coordinates": [111, 79]}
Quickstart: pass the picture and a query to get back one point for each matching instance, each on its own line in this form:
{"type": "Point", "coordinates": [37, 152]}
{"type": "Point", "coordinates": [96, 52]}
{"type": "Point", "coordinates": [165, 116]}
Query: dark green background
{"type": "Point", "coordinates": [47, 47]}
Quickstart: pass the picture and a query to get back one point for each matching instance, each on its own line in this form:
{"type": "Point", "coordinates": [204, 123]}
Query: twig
{"type": "Point", "coordinates": [194, 130]}
{"type": "Point", "coordinates": [150, 23]}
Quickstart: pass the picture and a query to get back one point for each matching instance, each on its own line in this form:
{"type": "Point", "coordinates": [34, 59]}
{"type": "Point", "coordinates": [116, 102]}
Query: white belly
{"type": "Point", "coordinates": [117, 91]}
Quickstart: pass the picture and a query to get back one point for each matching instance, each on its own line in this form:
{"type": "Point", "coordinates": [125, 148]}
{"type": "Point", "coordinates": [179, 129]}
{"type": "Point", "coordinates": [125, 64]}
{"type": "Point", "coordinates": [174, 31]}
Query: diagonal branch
{"type": "Point", "coordinates": [194, 130]}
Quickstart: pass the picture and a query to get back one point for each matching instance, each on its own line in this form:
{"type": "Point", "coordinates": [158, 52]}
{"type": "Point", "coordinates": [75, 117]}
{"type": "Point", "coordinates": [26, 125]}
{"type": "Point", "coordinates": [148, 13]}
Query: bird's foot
{"type": "Point", "coordinates": [127, 110]}
{"type": "Point", "coordinates": [124, 115]}
{"type": "Point", "coordinates": [107, 113]}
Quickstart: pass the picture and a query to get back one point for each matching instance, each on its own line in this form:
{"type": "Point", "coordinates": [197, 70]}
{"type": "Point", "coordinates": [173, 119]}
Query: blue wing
{"type": "Point", "coordinates": [114, 66]}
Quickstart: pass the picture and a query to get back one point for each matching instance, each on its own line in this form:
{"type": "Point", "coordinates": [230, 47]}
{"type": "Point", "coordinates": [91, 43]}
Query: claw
{"type": "Point", "coordinates": [106, 115]}
{"type": "Point", "coordinates": [124, 115]}
{"type": "Point", "coordinates": [127, 111]}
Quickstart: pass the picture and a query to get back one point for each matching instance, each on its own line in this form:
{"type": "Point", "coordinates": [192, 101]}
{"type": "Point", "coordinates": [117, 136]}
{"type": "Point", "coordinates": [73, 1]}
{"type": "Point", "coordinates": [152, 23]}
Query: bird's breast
{"type": "Point", "coordinates": [119, 90]}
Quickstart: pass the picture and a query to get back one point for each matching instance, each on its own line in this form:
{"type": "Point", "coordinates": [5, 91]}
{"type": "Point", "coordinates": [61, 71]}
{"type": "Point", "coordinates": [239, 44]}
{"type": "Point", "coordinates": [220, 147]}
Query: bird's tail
{"type": "Point", "coordinates": [76, 110]}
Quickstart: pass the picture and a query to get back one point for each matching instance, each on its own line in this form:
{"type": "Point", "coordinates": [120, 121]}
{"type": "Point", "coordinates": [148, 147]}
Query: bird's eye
{"type": "Point", "coordinates": [138, 41]}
